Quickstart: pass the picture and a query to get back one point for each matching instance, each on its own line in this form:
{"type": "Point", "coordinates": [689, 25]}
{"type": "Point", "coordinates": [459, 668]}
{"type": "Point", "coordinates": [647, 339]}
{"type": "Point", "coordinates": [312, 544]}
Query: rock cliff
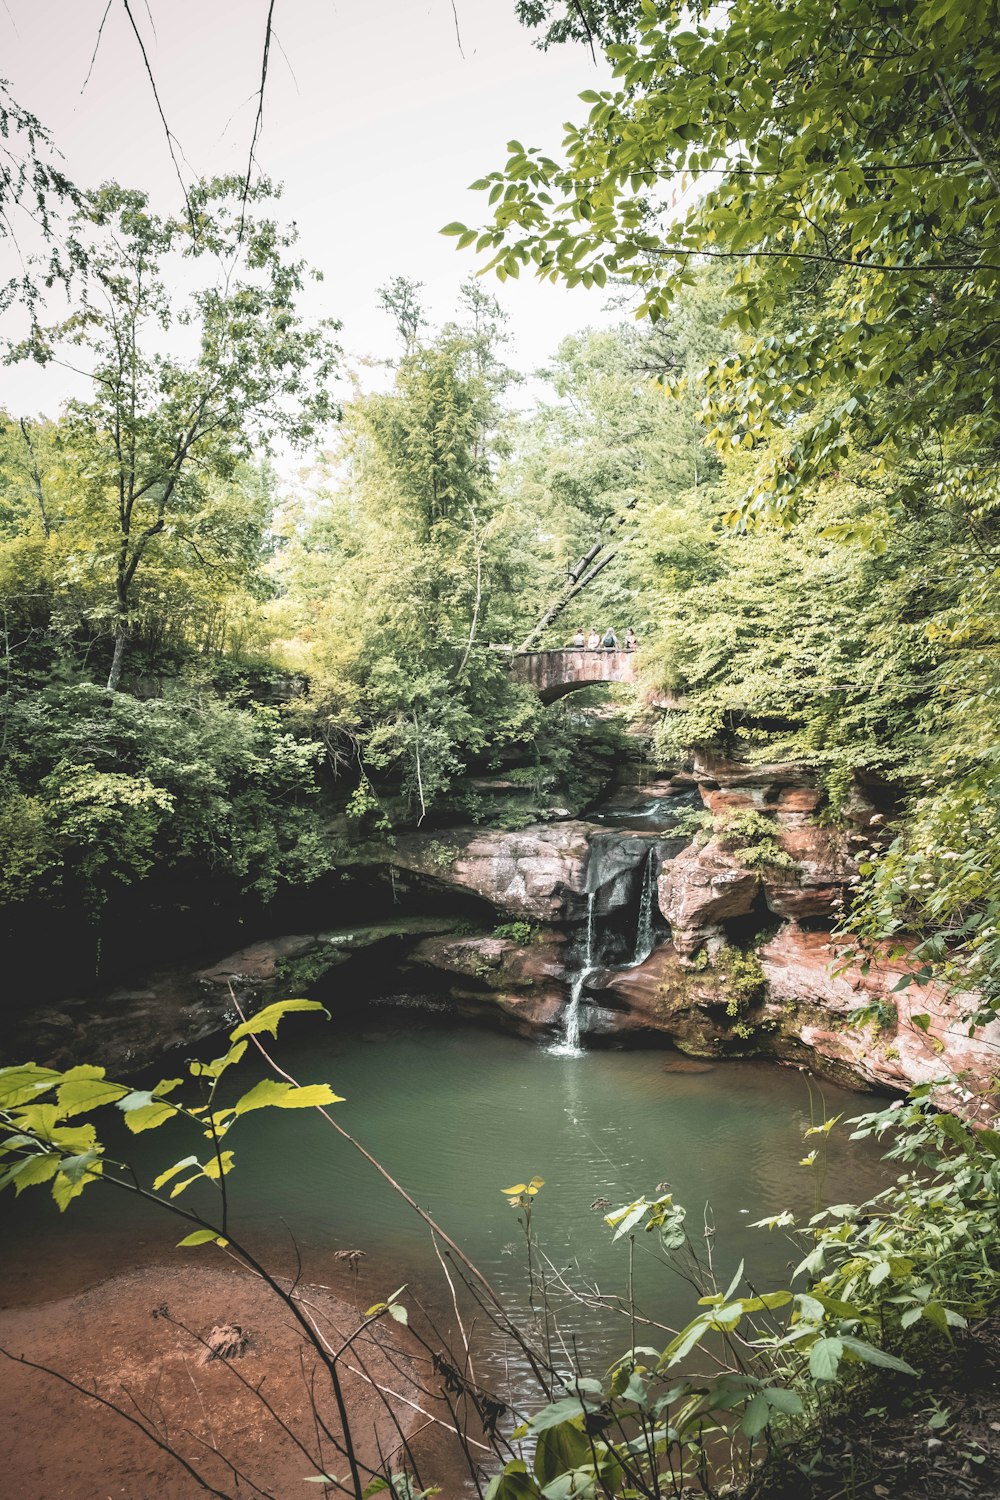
{"type": "Point", "coordinates": [720, 945]}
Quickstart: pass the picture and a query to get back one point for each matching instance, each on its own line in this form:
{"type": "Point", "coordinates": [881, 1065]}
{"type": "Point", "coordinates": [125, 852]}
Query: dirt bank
{"type": "Point", "coordinates": [135, 1340]}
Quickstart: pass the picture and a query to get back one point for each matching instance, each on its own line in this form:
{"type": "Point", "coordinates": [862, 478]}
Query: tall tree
{"type": "Point", "coordinates": [199, 359]}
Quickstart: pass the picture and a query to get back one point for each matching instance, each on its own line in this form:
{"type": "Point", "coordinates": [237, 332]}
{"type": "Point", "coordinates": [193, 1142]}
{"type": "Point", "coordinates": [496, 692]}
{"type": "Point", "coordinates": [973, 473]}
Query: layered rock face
{"type": "Point", "coordinates": [133, 1026]}
{"type": "Point", "coordinates": [801, 1009]}
{"type": "Point", "coordinates": [720, 945]}
{"type": "Point", "coordinates": [751, 966]}
{"type": "Point", "coordinates": [525, 981]}
{"type": "Point", "coordinates": [526, 874]}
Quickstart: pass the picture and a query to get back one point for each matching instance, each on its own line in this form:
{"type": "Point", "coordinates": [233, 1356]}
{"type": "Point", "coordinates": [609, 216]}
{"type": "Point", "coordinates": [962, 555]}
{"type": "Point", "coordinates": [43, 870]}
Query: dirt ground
{"type": "Point", "coordinates": [134, 1339]}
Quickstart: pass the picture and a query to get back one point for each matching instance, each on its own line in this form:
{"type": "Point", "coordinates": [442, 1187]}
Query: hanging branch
{"type": "Point", "coordinates": [171, 138]}
{"type": "Point", "coordinates": [580, 577]}
{"type": "Point", "coordinates": [259, 120]}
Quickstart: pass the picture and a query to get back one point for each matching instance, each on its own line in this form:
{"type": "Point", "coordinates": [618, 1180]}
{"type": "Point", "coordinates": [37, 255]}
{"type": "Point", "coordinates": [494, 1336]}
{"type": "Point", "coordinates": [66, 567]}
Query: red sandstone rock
{"type": "Point", "coordinates": [526, 873]}
{"type": "Point", "coordinates": [497, 963]}
{"type": "Point", "coordinates": [699, 890]}
{"type": "Point", "coordinates": [726, 801]}
{"type": "Point", "coordinates": [708, 766]}
{"type": "Point", "coordinates": [804, 971]}
{"type": "Point", "coordinates": [798, 799]}
{"type": "Point", "coordinates": [823, 870]}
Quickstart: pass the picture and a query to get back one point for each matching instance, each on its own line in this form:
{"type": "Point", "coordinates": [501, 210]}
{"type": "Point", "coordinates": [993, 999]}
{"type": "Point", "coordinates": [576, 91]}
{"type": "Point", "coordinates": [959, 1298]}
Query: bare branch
{"type": "Point", "coordinates": [97, 44]}
{"type": "Point", "coordinates": [171, 138]}
{"type": "Point", "coordinates": [259, 120]}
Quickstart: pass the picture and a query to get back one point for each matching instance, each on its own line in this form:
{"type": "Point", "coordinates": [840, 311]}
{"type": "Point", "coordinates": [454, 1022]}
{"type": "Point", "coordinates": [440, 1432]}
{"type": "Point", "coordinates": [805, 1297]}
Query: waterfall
{"type": "Point", "coordinates": [645, 933]}
{"type": "Point", "coordinates": [568, 1044]}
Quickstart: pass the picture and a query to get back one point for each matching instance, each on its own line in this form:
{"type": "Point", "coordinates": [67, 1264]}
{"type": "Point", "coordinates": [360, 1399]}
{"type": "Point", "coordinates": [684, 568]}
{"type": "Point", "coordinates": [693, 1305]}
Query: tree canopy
{"type": "Point", "coordinates": [841, 160]}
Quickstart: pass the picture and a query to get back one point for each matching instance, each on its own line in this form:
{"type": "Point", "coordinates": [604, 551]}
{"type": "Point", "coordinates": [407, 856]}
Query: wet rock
{"type": "Point", "coordinates": [497, 963]}
{"type": "Point", "coordinates": [616, 866]}
{"type": "Point", "coordinates": [664, 996]}
{"type": "Point", "coordinates": [132, 1027]}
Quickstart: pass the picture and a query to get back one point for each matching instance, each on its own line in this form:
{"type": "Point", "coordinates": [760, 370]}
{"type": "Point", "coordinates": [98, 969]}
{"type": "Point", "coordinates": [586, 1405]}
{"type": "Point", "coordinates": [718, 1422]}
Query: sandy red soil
{"type": "Point", "coordinates": [59, 1444]}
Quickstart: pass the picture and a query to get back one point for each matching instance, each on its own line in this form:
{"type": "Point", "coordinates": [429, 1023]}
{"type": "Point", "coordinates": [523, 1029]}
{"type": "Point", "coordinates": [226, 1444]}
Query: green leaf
{"type": "Point", "coordinates": [83, 1094]}
{"type": "Point", "coordinates": [148, 1116]}
{"type": "Point", "coordinates": [560, 1448]}
{"type": "Point", "coordinates": [216, 1068]}
{"type": "Point", "coordinates": [272, 1092]}
{"type": "Point", "coordinates": [178, 1166]}
{"type": "Point", "coordinates": [218, 1166]}
{"type": "Point", "coordinates": [515, 1483]}
{"type": "Point", "coordinates": [19, 1085]}
{"type": "Point", "coordinates": [756, 1416]}
{"type": "Point", "coordinates": [789, 1403]}
{"type": "Point", "coordinates": [33, 1171]}
{"type": "Point", "coordinates": [686, 1340]}
{"type": "Point", "coordinates": [873, 1356]}
{"type": "Point", "coordinates": [824, 1358]}
{"type": "Point", "coordinates": [556, 1413]}
{"type": "Point", "coordinates": [268, 1018]}
{"type": "Point", "coordinates": [202, 1237]}
{"type": "Point", "coordinates": [73, 1176]}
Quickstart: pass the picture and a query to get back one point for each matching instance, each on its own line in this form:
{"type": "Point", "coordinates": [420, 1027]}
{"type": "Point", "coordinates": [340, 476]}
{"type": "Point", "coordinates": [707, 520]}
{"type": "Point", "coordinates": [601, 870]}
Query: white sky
{"type": "Point", "coordinates": [376, 138]}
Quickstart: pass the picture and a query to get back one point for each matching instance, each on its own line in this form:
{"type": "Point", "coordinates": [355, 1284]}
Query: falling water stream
{"type": "Point", "coordinates": [571, 1022]}
{"type": "Point", "coordinates": [568, 1044]}
{"type": "Point", "coordinates": [645, 934]}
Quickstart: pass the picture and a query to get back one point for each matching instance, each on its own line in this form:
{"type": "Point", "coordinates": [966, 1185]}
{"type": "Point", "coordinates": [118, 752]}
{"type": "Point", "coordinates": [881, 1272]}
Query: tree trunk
{"type": "Point", "coordinates": [118, 659]}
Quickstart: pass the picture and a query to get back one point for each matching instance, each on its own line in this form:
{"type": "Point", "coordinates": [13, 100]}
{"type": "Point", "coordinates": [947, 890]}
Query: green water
{"type": "Point", "coordinates": [457, 1113]}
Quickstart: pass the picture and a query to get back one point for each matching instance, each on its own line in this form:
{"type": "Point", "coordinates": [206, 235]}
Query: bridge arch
{"type": "Point", "coordinates": [553, 674]}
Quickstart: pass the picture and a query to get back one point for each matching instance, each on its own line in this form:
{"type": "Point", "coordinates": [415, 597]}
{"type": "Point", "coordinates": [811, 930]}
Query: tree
{"type": "Point", "coordinates": [163, 426]}
{"type": "Point", "coordinates": [411, 562]}
{"type": "Point", "coordinates": [841, 163]}
{"type": "Point", "coordinates": [845, 156]}
{"type": "Point", "coordinates": [400, 298]}
{"type": "Point", "coordinates": [33, 189]}
{"type": "Point", "coordinates": [591, 21]}
{"type": "Point", "coordinates": [604, 450]}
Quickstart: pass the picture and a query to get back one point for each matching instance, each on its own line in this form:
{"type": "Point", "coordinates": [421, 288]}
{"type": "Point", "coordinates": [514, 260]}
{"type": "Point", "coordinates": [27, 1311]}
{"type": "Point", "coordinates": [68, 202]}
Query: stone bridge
{"type": "Point", "coordinates": [553, 674]}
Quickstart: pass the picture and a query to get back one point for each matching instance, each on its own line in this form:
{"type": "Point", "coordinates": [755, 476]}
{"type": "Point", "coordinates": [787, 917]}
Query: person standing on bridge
{"type": "Point", "coordinates": [610, 641]}
{"type": "Point", "coordinates": [630, 641]}
{"type": "Point", "coordinates": [593, 640]}
{"type": "Point", "coordinates": [579, 639]}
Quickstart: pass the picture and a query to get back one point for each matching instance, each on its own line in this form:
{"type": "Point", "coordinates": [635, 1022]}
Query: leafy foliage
{"type": "Point", "coordinates": [882, 193]}
{"type": "Point", "coordinates": [159, 429]}
{"type": "Point", "coordinates": [181, 782]}
{"type": "Point", "coordinates": [38, 1146]}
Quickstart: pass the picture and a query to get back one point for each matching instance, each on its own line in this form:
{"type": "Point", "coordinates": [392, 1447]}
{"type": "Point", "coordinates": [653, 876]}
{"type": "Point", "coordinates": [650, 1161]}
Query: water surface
{"type": "Point", "coordinates": [457, 1113]}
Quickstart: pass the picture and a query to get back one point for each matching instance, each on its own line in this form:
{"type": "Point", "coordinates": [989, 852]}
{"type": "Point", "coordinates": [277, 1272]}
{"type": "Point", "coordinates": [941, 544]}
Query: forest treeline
{"type": "Point", "coordinates": [297, 649]}
{"type": "Point", "coordinates": [209, 654]}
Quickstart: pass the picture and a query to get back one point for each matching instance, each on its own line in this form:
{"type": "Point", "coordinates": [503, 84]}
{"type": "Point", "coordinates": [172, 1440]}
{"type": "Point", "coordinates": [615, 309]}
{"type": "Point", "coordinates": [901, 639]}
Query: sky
{"type": "Point", "coordinates": [376, 119]}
